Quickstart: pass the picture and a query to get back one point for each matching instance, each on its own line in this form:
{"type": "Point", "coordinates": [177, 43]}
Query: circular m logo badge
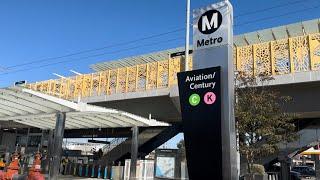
{"type": "Point", "coordinates": [209, 21]}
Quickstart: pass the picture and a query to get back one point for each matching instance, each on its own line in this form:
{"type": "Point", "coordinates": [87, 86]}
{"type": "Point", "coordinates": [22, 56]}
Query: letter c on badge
{"type": "Point", "coordinates": [194, 99]}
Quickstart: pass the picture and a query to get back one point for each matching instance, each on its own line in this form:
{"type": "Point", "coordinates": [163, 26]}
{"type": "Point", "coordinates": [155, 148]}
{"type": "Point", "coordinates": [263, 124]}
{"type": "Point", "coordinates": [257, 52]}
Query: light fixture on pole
{"type": "Point", "coordinates": [75, 72]}
{"type": "Point", "coordinates": [60, 76]}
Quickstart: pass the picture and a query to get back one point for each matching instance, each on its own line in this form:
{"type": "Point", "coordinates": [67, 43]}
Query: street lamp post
{"type": "Point", "coordinates": [186, 66]}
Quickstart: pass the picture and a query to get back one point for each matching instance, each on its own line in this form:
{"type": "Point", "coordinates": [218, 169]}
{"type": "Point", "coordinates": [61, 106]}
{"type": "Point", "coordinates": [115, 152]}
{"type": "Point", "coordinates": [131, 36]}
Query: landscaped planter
{"type": "Point", "coordinates": [257, 177]}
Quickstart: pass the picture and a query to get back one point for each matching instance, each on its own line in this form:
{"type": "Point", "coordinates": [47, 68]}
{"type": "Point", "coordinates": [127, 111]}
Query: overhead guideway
{"type": "Point", "coordinates": [39, 110]}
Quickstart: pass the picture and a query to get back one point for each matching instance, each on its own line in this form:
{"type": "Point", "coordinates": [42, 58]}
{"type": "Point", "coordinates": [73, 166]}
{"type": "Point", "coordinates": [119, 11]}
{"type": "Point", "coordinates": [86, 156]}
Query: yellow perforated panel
{"type": "Point", "coordinates": [315, 51]}
{"type": "Point", "coordinates": [174, 68]}
{"type": "Point", "coordinates": [122, 77]}
{"type": "Point", "coordinates": [300, 54]}
{"type": "Point", "coordinates": [142, 77]}
{"type": "Point", "coordinates": [262, 59]}
{"type": "Point", "coordinates": [152, 75]}
{"type": "Point", "coordinates": [163, 73]}
{"type": "Point", "coordinates": [113, 81]}
{"type": "Point", "coordinates": [280, 57]}
{"type": "Point", "coordinates": [245, 61]}
{"type": "Point", "coordinates": [275, 57]}
{"type": "Point", "coordinates": [132, 79]}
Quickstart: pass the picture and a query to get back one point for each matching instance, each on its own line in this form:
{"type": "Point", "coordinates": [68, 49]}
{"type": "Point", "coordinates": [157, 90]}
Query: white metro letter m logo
{"type": "Point", "coordinates": [206, 25]}
{"type": "Point", "coordinates": [209, 21]}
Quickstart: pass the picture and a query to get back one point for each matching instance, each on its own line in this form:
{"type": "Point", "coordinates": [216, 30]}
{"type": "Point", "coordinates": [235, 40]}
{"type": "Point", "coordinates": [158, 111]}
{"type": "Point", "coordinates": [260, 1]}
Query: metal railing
{"type": "Point", "coordinates": [297, 54]}
{"type": "Point", "coordinates": [161, 74]}
{"type": "Point", "coordinates": [273, 175]}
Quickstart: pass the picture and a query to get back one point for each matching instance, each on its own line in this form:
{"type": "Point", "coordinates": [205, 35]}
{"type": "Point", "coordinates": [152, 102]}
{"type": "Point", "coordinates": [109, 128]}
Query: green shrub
{"type": "Point", "coordinates": [257, 169]}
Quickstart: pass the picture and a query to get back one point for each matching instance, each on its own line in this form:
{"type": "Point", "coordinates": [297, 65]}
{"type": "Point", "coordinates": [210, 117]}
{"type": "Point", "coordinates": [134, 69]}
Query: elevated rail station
{"type": "Point", "coordinates": [142, 91]}
{"type": "Point", "coordinates": [289, 53]}
{"type": "Point", "coordinates": [283, 50]}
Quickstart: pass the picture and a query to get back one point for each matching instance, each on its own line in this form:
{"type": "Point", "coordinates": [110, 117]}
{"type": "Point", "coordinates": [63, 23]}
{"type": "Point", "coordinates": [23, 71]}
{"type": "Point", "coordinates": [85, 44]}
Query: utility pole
{"type": "Point", "coordinates": [186, 66]}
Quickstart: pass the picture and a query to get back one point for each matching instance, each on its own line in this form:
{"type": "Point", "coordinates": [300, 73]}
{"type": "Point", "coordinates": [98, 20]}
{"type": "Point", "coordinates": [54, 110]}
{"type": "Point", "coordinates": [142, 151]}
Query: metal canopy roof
{"type": "Point", "coordinates": [135, 60]}
{"type": "Point", "coordinates": [265, 35]}
{"type": "Point", "coordinates": [39, 110]}
{"type": "Point", "coordinates": [280, 32]}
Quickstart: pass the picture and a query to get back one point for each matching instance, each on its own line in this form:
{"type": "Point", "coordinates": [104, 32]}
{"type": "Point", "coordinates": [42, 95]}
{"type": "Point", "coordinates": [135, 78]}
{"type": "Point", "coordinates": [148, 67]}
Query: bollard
{"type": "Point", "coordinates": [92, 170]}
{"type": "Point", "coordinates": [66, 171]}
{"type": "Point", "coordinates": [110, 172]}
{"type": "Point", "coordinates": [80, 170]}
{"type": "Point", "coordinates": [74, 169]}
{"type": "Point", "coordinates": [105, 173]}
{"type": "Point", "coordinates": [99, 172]}
{"type": "Point", "coordinates": [69, 169]}
{"type": "Point", "coordinates": [87, 171]}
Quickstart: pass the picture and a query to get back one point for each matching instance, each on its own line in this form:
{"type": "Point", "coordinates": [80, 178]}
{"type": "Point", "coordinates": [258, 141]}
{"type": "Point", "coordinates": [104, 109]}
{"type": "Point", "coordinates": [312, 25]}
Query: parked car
{"type": "Point", "coordinates": [295, 175]}
{"type": "Point", "coordinates": [305, 171]}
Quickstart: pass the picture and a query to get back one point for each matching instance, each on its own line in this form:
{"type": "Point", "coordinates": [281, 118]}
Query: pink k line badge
{"type": "Point", "coordinates": [209, 98]}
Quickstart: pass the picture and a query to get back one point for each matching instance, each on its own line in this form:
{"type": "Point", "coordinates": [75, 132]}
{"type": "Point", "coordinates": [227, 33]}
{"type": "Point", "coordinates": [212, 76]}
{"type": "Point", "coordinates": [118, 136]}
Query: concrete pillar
{"type": "Point", "coordinates": [304, 160]}
{"type": "Point", "coordinates": [285, 170]}
{"type": "Point", "coordinates": [42, 138]}
{"type": "Point", "coordinates": [316, 159]}
{"type": "Point", "coordinates": [134, 152]}
{"type": "Point", "coordinates": [57, 146]}
{"type": "Point", "coordinates": [28, 135]}
{"type": "Point", "coordinates": [50, 142]}
{"type": "Point", "coordinates": [1, 134]}
{"type": "Point", "coordinates": [49, 151]}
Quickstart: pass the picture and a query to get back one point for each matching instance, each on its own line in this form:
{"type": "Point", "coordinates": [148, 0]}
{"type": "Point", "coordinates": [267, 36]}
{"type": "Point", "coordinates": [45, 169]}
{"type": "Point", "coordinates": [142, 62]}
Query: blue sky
{"type": "Point", "coordinates": [39, 29]}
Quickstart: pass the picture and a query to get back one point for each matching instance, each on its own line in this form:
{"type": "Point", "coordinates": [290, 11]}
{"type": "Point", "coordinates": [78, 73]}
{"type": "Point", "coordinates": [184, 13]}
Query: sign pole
{"type": "Point", "coordinates": [186, 66]}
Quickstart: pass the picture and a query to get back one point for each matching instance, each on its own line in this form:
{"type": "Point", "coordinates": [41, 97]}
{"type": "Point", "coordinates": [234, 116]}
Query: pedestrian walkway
{"type": "Point", "coordinates": [73, 177]}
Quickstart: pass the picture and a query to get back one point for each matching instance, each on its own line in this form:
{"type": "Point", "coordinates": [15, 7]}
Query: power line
{"type": "Point", "coordinates": [95, 55]}
{"type": "Point", "coordinates": [97, 49]}
{"type": "Point", "coordinates": [275, 16]}
{"type": "Point", "coordinates": [271, 8]}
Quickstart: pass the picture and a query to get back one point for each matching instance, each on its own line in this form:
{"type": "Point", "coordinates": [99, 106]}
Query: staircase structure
{"type": "Point", "coordinates": [148, 140]}
{"type": "Point", "coordinates": [308, 136]}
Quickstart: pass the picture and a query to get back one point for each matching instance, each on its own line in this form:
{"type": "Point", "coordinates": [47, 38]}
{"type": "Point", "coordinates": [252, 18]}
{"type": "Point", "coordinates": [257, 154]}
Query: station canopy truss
{"type": "Point", "coordinates": [31, 108]}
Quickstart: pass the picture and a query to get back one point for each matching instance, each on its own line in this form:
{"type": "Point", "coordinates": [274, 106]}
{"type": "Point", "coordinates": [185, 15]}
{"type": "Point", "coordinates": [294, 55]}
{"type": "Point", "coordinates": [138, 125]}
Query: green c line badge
{"type": "Point", "coordinates": [194, 99]}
